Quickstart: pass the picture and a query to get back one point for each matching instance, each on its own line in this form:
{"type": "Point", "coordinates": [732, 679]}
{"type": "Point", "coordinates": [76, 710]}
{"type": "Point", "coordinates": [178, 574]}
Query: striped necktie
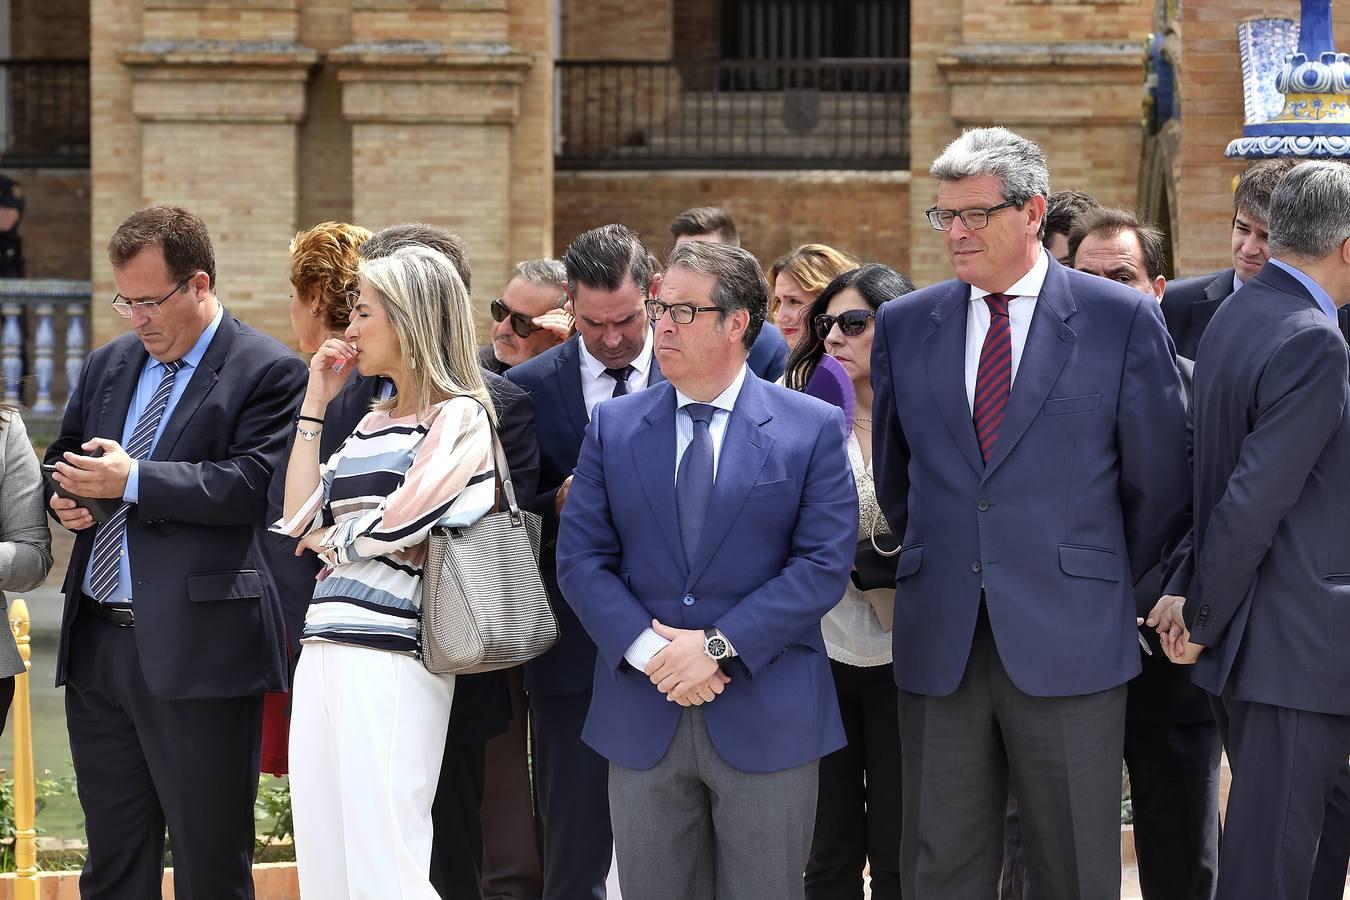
{"type": "Point", "coordinates": [108, 541]}
{"type": "Point", "coordinates": [993, 383]}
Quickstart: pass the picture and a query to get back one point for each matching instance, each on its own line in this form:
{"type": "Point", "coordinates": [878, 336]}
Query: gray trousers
{"type": "Point", "coordinates": [694, 828]}
{"type": "Point", "coordinates": [1061, 756]}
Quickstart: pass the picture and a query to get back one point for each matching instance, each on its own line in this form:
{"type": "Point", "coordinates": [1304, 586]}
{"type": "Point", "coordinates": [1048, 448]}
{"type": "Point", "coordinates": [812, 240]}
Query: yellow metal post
{"type": "Point", "coordinates": [25, 832]}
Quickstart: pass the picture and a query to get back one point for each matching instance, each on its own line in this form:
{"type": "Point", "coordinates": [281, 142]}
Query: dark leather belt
{"type": "Point", "coordinates": [119, 614]}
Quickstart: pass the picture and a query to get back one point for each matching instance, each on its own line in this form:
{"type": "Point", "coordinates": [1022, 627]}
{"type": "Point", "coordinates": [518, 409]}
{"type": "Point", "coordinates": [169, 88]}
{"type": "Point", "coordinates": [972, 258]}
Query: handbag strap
{"type": "Point", "coordinates": [501, 469]}
{"type": "Point", "coordinates": [873, 529]}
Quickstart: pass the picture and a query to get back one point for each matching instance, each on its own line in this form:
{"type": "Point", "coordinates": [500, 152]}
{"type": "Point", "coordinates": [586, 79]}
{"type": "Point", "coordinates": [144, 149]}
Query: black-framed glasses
{"type": "Point", "coordinates": [150, 308]}
{"type": "Point", "coordinates": [521, 324]}
{"type": "Point", "coordinates": [680, 313]}
{"type": "Point", "coordinates": [974, 218]}
{"type": "Point", "coordinates": [851, 322]}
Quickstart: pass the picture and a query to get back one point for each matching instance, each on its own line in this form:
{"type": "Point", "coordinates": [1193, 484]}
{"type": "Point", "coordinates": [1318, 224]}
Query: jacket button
{"type": "Point", "coordinates": [688, 600]}
{"type": "Point", "coordinates": [975, 567]}
{"type": "Point", "coordinates": [982, 505]}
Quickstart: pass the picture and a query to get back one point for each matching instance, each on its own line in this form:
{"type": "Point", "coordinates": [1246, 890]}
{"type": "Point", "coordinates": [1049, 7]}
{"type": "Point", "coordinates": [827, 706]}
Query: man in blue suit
{"type": "Point", "coordinates": [1030, 445]}
{"type": "Point", "coordinates": [610, 276]}
{"type": "Point", "coordinates": [712, 522]}
{"type": "Point", "coordinates": [172, 630]}
{"type": "Point", "coordinates": [1265, 616]}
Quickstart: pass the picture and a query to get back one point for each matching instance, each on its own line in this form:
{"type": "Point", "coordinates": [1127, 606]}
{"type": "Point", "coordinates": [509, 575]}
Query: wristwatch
{"type": "Point", "coordinates": [715, 645]}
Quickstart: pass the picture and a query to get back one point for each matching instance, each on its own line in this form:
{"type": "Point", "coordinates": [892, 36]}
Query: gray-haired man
{"type": "Point", "coordinates": [529, 315]}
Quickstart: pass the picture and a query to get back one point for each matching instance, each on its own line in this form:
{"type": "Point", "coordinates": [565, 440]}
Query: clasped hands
{"type": "Point", "coordinates": [1167, 619]}
{"type": "Point", "coordinates": [682, 670]}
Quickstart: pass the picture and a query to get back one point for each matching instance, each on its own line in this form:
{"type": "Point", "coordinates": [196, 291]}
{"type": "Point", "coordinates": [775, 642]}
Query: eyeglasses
{"type": "Point", "coordinates": [974, 218]}
{"type": "Point", "coordinates": [680, 313]}
{"type": "Point", "coordinates": [851, 322]}
{"type": "Point", "coordinates": [521, 324]}
{"type": "Point", "coordinates": [149, 308]}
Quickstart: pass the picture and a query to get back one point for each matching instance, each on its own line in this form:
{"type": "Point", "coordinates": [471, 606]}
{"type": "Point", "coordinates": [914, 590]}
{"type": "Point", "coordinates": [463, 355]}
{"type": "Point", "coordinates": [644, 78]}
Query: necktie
{"type": "Point", "coordinates": [993, 384]}
{"type": "Point", "coordinates": [108, 541]}
{"type": "Point", "coordinates": [620, 377]}
{"type": "Point", "coordinates": [694, 479]}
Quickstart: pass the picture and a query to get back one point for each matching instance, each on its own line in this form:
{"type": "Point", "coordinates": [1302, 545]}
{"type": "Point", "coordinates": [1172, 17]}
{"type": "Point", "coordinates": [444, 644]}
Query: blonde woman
{"type": "Point", "coordinates": [797, 279]}
{"type": "Point", "coordinates": [369, 723]}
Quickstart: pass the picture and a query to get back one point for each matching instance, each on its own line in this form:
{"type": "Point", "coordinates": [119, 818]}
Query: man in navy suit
{"type": "Point", "coordinates": [610, 276]}
{"type": "Point", "coordinates": [1264, 619]}
{"type": "Point", "coordinates": [1030, 445]}
{"type": "Point", "coordinates": [171, 633]}
{"type": "Point", "coordinates": [712, 522]}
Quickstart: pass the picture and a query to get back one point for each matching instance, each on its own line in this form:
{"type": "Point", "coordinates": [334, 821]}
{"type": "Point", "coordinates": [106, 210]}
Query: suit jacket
{"type": "Point", "coordinates": [553, 381]}
{"type": "Point", "coordinates": [208, 619]}
{"type": "Point", "coordinates": [1087, 481]}
{"type": "Point", "coordinates": [1190, 303]}
{"type": "Point", "coordinates": [768, 356]}
{"type": "Point", "coordinates": [482, 704]}
{"type": "Point", "coordinates": [774, 557]}
{"type": "Point", "coordinates": [1267, 580]}
{"type": "Point", "coordinates": [23, 527]}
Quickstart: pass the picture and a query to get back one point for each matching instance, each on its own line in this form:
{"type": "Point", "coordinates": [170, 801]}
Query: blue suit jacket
{"type": "Point", "coordinates": [768, 356]}
{"type": "Point", "coordinates": [775, 556]}
{"type": "Point", "coordinates": [1269, 585]}
{"type": "Point", "coordinates": [208, 619]}
{"type": "Point", "coordinates": [553, 381]}
{"type": "Point", "coordinates": [1087, 481]}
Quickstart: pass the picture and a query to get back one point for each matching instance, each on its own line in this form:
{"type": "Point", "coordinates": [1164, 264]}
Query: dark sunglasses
{"type": "Point", "coordinates": [521, 324]}
{"type": "Point", "coordinates": [851, 322]}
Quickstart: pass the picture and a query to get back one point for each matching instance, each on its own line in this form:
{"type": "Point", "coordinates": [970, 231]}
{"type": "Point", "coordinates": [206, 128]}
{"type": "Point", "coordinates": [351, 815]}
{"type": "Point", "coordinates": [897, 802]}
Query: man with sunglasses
{"type": "Point", "coordinates": [610, 277]}
{"type": "Point", "coordinates": [529, 315]}
{"type": "Point", "coordinates": [171, 631]}
{"type": "Point", "coordinates": [1030, 445]}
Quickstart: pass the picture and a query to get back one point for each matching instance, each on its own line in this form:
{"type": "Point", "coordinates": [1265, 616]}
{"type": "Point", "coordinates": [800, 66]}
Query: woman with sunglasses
{"type": "Point", "coordinates": [858, 807]}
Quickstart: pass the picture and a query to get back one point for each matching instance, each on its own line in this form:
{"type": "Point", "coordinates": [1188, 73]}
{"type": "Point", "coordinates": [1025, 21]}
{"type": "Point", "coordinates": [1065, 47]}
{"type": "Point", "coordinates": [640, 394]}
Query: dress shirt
{"type": "Point", "coordinates": [649, 643]}
{"type": "Point", "coordinates": [1021, 306]}
{"type": "Point", "coordinates": [597, 386]}
{"type": "Point", "coordinates": [1237, 282]}
{"type": "Point", "coordinates": [151, 375]}
{"type": "Point", "coordinates": [1318, 293]}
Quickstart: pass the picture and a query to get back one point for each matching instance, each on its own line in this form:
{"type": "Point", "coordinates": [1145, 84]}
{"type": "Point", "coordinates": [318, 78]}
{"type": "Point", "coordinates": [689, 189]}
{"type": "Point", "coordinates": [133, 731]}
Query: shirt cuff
{"type": "Point", "coordinates": [641, 651]}
{"type": "Point", "coordinates": [132, 492]}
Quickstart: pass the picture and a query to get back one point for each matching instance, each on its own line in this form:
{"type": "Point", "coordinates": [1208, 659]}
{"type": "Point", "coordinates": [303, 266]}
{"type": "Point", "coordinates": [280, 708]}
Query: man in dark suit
{"type": "Point", "coordinates": [1192, 302]}
{"type": "Point", "coordinates": [1263, 616]}
{"type": "Point", "coordinates": [1172, 744]}
{"type": "Point", "coordinates": [1030, 445]}
{"type": "Point", "coordinates": [171, 633]}
{"type": "Point", "coordinates": [712, 522]}
{"type": "Point", "coordinates": [610, 276]}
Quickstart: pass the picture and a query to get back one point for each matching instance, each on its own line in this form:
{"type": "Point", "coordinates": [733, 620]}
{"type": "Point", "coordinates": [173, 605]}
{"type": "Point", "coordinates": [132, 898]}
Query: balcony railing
{"type": "Point", "coordinates": [43, 340]}
{"type": "Point", "coordinates": [721, 114]}
{"type": "Point", "coordinates": [44, 113]}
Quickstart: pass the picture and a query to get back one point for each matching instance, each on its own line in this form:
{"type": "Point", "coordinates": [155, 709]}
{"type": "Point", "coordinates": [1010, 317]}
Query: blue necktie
{"type": "Point", "coordinates": [694, 479]}
{"type": "Point", "coordinates": [620, 377]}
{"type": "Point", "coordinates": [107, 551]}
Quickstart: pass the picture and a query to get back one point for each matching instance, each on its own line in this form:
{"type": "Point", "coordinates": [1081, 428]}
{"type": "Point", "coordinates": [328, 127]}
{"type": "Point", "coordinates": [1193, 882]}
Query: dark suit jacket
{"type": "Point", "coordinates": [768, 356]}
{"type": "Point", "coordinates": [1087, 481]}
{"type": "Point", "coordinates": [553, 380]}
{"type": "Point", "coordinates": [774, 557]}
{"type": "Point", "coordinates": [1267, 581]}
{"type": "Point", "coordinates": [1190, 303]}
{"type": "Point", "coordinates": [482, 704]}
{"type": "Point", "coordinates": [208, 620]}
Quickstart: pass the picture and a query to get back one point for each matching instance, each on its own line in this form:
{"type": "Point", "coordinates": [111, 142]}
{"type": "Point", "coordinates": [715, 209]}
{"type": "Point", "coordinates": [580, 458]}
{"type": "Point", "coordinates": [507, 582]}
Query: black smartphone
{"type": "Point", "coordinates": [99, 508]}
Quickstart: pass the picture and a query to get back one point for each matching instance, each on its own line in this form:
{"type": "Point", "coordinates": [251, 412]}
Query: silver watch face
{"type": "Point", "coordinates": [717, 647]}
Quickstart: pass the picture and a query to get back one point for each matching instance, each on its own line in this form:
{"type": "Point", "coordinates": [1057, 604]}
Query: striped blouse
{"type": "Point", "coordinates": [378, 498]}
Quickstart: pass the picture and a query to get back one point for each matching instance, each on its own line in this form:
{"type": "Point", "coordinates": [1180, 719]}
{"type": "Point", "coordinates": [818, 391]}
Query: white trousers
{"type": "Point", "coordinates": [368, 733]}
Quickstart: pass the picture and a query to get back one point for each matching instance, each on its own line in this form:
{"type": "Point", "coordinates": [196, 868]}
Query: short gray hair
{"type": "Point", "coordinates": [544, 273]}
{"type": "Point", "coordinates": [1014, 160]}
{"type": "Point", "coordinates": [1310, 210]}
{"type": "Point", "coordinates": [739, 282]}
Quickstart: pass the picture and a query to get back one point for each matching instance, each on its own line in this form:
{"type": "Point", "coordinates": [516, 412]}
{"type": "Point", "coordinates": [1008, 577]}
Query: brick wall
{"type": "Point", "coordinates": [617, 29]}
{"type": "Point", "coordinates": [861, 212]}
{"type": "Point", "coordinates": [55, 224]}
{"type": "Point", "coordinates": [49, 28]}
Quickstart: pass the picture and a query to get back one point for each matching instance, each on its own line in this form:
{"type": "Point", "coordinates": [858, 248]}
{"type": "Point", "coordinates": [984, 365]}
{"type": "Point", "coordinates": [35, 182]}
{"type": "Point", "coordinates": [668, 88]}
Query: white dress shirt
{"type": "Point", "coordinates": [1021, 306]}
{"type": "Point", "coordinates": [597, 386]}
{"type": "Point", "coordinates": [649, 643]}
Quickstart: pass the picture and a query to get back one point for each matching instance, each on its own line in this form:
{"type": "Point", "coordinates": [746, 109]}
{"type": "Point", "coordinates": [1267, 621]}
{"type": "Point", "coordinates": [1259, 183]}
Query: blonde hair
{"type": "Point", "coordinates": [429, 310]}
{"type": "Point", "coordinates": [325, 257]}
{"type": "Point", "coordinates": [813, 266]}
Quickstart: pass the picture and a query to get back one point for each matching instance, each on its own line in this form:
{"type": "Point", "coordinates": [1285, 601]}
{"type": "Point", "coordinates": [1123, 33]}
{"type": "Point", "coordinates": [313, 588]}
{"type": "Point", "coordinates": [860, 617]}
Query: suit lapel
{"type": "Point", "coordinates": [1049, 343]}
{"type": "Point", "coordinates": [653, 457]}
{"type": "Point", "coordinates": [945, 362]}
{"type": "Point", "coordinates": [119, 384]}
{"type": "Point", "coordinates": [204, 379]}
{"type": "Point", "coordinates": [745, 447]}
{"type": "Point", "coordinates": [569, 384]}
